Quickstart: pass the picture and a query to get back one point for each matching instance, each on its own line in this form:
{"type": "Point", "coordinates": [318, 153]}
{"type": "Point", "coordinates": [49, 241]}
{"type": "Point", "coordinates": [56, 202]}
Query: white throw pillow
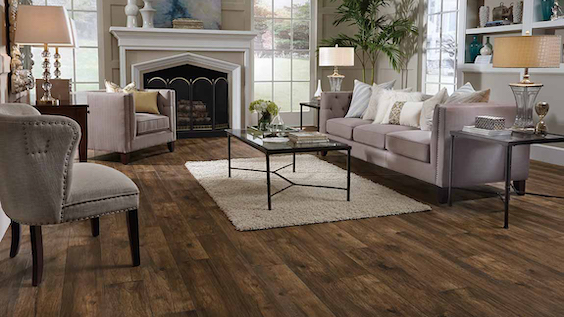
{"type": "Point", "coordinates": [388, 98]}
{"type": "Point", "coordinates": [406, 113]}
{"type": "Point", "coordinates": [426, 122]}
{"type": "Point", "coordinates": [111, 87]}
{"type": "Point", "coordinates": [372, 109]}
{"type": "Point", "coordinates": [467, 94]}
{"type": "Point", "coordinates": [361, 96]}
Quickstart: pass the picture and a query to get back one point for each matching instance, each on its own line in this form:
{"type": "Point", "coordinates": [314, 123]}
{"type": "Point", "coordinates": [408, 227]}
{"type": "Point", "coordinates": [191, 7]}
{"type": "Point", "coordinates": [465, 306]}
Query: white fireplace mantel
{"type": "Point", "coordinates": [187, 40]}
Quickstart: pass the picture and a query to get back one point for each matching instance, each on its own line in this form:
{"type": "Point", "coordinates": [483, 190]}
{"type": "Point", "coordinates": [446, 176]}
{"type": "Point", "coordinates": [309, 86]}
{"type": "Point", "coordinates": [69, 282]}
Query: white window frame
{"type": "Point", "coordinates": [441, 12]}
{"type": "Point", "coordinates": [293, 115]}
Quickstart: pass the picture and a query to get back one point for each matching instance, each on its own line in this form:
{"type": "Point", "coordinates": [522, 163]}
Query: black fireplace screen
{"type": "Point", "coordinates": [202, 98]}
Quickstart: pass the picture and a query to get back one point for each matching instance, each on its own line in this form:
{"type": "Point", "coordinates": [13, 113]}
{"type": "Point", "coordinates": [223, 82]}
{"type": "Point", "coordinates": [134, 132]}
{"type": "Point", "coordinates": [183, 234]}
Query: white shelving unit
{"type": "Point", "coordinates": [468, 28]}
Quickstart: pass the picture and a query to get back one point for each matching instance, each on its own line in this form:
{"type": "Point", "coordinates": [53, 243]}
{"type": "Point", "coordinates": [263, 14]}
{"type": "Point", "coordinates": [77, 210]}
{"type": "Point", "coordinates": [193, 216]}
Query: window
{"type": "Point", "coordinates": [79, 65]}
{"type": "Point", "coordinates": [283, 52]}
{"type": "Point", "coordinates": [442, 18]}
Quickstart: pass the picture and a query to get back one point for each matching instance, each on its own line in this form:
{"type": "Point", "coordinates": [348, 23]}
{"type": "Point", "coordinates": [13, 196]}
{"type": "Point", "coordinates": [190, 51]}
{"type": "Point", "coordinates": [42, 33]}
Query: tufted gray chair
{"type": "Point", "coordinates": [41, 185]}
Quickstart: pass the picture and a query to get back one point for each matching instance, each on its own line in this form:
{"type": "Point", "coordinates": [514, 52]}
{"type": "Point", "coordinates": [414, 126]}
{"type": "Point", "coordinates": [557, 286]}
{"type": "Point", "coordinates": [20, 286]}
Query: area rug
{"type": "Point", "coordinates": [243, 197]}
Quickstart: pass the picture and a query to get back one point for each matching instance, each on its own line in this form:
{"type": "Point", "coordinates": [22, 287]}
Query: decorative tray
{"type": "Point", "coordinates": [254, 130]}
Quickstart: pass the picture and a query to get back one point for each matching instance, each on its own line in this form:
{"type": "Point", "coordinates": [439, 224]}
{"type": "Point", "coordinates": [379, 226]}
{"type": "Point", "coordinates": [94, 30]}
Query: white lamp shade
{"type": "Point", "coordinates": [39, 25]}
{"type": "Point", "coordinates": [336, 56]}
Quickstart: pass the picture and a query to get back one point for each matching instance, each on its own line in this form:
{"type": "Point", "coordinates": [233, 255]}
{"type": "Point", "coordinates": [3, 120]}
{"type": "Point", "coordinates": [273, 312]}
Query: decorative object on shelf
{"type": "Point", "coordinates": [53, 29]}
{"type": "Point", "coordinates": [518, 13]}
{"type": "Point", "coordinates": [336, 56]}
{"type": "Point", "coordinates": [487, 49]}
{"type": "Point", "coordinates": [486, 132]}
{"type": "Point", "coordinates": [498, 23]}
{"type": "Point", "coordinates": [148, 14]}
{"type": "Point", "coordinates": [546, 9]}
{"type": "Point", "coordinates": [557, 12]}
{"type": "Point", "coordinates": [21, 78]}
{"type": "Point", "coordinates": [526, 52]}
{"type": "Point", "coordinates": [184, 23]}
{"type": "Point", "coordinates": [541, 109]}
{"type": "Point", "coordinates": [131, 11]}
{"type": "Point", "coordinates": [207, 11]}
{"type": "Point", "coordinates": [500, 13]}
{"type": "Point", "coordinates": [490, 123]}
{"type": "Point", "coordinates": [60, 90]}
{"type": "Point", "coordinates": [475, 47]}
{"type": "Point", "coordinates": [265, 110]}
{"type": "Point", "coordinates": [484, 15]}
{"type": "Point", "coordinates": [318, 92]}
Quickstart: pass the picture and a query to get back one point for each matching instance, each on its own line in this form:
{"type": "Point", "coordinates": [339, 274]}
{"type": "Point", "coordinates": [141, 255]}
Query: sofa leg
{"type": "Point", "coordinates": [124, 158]}
{"type": "Point", "coordinates": [323, 153]}
{"type": "Point", "coordinates": [170, 146]}
{"type": "Point", "coordinates": [442, 196]}
{"type": "Point", "coordinates": [520, 187]}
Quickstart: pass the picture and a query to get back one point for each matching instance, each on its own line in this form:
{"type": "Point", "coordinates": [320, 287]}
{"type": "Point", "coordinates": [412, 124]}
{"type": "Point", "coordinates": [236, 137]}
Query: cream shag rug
{"type": "Point", "coordinates": [243, 196]}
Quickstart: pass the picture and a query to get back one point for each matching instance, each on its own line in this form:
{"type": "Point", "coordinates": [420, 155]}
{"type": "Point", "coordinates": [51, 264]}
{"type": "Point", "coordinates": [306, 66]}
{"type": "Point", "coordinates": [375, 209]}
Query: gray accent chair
{"type": "Point", "coordinates": [41, 185]}
{"type": "Point", "coordinates": [114, 126]}
{"type": "Point", "coordinates": [425, 154]}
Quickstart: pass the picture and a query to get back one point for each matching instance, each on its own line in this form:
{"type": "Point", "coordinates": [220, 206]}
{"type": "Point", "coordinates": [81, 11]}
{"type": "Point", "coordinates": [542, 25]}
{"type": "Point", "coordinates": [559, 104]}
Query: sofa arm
{"type": "Point", "coordinates": [333, 105]}
{"type": "Point", "coordinates": [111, 122]}
{"type": "Point", "coordinates": [477, 162]}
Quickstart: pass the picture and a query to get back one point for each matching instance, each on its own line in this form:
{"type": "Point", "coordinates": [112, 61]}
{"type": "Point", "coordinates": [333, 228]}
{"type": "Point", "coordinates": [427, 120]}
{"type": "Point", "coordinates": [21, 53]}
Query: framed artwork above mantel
{"type": "Point", "coordinates": [208, 11]}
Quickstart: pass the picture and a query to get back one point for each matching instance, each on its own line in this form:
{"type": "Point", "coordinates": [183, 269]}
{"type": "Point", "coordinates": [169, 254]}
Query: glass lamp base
{"type": "Point", "coordinates": [336, 81]}
{"type": "Point", "coordinates": [525, 96]}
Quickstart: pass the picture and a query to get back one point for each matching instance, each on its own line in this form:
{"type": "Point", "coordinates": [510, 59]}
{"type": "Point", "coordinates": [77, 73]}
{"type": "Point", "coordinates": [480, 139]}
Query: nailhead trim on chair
{"type": "Point", "coordinates": [75, 220]}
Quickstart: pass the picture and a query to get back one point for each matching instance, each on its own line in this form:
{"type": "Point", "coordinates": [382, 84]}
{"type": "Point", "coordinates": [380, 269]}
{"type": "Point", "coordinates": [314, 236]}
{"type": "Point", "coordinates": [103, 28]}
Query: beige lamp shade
{"type": "Point", "coordinates": [336, 56]}
{"type": "Point", "coordinates": [528, 51]}
{"type": "Point", "coordinates": [39, 25]}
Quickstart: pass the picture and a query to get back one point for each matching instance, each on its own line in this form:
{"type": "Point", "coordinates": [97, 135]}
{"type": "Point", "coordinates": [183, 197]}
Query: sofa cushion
{"type": "Point", "coordinates": [414, 144]}
{"type": "Point", "coordinates": [151, 123]}
{"type": "Point", "coordinates": [343, 127]}
{"type": "Point", "coordinates": [375, 134]}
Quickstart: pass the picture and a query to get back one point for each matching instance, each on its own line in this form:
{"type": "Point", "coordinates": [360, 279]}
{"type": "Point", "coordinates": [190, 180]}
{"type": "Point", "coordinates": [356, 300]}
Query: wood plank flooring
{"type": "Point", "coordinates": [455, 261]}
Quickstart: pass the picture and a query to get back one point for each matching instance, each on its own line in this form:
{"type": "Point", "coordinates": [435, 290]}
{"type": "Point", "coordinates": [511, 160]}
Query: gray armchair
{"type": "Point", "coordinates": [41, 185]}
{"type": "Point", "coordinates": [114, 126]}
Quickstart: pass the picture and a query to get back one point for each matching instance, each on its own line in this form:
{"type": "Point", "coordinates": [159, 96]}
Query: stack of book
{"type": "Point", "coordinates": [307, 137]}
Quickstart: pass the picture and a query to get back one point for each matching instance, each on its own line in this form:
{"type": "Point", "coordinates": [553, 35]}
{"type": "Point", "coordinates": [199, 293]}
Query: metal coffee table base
{"type": "Point", "coordinates": [291, 183]}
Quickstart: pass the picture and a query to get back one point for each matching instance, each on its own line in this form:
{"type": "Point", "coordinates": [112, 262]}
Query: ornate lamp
{"type": "Point", "coordinates": [44, 26]}
{"type": "Point", "coordinates": [527, 52]}
{"type": "Point", "coordinates": [336, 56]}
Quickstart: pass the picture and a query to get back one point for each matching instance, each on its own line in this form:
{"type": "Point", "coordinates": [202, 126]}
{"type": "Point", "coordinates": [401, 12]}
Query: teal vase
{"type": "Point", "coordinates": [546, 9]}
{"type": "Point", "coordinates": [475, 47]}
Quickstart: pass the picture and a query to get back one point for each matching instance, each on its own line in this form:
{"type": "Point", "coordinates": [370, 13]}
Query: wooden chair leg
{"type": "Point", "coordinates": [133, 231]}
{"type": "Point", "coordinates": [170, 146]}
{"type": "Point", "coordinates": [16, 238]}
{"type": "Point", "coordinates": [37, 254]}
{"type": "Point", "coordinates": [124, 158]}
{"type": "Point", "coordinates": [95, 225]}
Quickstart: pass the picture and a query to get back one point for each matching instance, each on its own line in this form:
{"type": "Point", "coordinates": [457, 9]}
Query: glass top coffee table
{"type": "Point", "coordinates": [272, 148]}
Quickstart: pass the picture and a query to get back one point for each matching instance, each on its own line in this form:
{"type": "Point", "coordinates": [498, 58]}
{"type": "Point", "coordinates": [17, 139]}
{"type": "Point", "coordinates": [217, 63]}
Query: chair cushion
{"type": "Point", "coordinates": [414, 144]}
{"type": "Point", "coordinates": [375, 134]}
{"type": "Point", "coordinates": [343, 127]}
{"type": "Point", "coordinates": [97, 190]}
{"type": "Point", "coordinates": [151, 123]}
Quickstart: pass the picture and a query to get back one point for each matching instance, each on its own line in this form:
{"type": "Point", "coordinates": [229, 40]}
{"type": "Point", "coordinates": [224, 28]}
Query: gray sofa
{"type": "Point", "coordinates": [425, 155]}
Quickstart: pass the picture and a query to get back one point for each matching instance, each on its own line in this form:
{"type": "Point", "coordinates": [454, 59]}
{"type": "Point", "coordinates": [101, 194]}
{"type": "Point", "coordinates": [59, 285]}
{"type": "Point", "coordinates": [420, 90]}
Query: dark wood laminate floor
{"type": "Point", "coordinates": [454, 261]}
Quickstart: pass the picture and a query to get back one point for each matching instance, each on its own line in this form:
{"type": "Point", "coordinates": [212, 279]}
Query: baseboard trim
{"type": "Point", "coordinates": [548, 154]}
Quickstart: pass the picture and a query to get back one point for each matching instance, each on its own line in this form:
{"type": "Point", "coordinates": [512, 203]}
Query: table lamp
{"type": "Point", "coordinates": [527, 52]}
{"type": "Point", "coordinates": [336, 56]}
{"type": "Point", "coordinates": [44, 26]}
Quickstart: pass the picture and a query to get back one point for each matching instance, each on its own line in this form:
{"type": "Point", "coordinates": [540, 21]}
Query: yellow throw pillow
{"type": "Point", "coordinates": [146, 101]}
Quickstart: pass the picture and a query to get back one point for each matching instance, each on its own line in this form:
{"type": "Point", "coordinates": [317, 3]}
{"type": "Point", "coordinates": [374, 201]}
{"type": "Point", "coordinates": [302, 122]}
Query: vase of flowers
{"type": "Point", "coordinates": [265, 109]}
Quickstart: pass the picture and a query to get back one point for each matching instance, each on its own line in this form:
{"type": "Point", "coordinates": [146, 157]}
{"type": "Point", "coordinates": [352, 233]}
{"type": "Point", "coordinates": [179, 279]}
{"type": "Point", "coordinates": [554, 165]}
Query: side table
{"type": "Point", "coordinates": [309, 104]}
{"type": "Point", "coordinates": [509, 141]}
{"type": "Point", "coordinates": [78, 113]}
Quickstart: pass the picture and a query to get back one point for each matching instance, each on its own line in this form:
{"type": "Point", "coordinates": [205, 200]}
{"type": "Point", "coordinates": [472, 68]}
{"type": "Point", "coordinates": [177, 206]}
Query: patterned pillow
{"type": "Point", "coordinates": [406, 113]}
{"type": "Point", "coordinates": [361, 96]}
{"type": "Point", "coordinates": [388, 98]}
{"type": "Point", "coordinates": [467, 94]}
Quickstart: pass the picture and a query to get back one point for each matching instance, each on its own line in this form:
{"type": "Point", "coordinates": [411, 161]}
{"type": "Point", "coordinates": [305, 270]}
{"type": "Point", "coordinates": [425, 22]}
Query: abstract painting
{"type": "Point", "coordinates": [208, 11]}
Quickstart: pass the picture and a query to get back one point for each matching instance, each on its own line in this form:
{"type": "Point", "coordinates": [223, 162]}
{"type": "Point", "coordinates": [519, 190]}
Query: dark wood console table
{"type": "Point", "coordinates": [78, 113]}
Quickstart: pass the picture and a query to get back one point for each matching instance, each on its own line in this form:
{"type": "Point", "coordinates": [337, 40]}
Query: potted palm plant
{"type": "Point", "coordinates": [377, 33]}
